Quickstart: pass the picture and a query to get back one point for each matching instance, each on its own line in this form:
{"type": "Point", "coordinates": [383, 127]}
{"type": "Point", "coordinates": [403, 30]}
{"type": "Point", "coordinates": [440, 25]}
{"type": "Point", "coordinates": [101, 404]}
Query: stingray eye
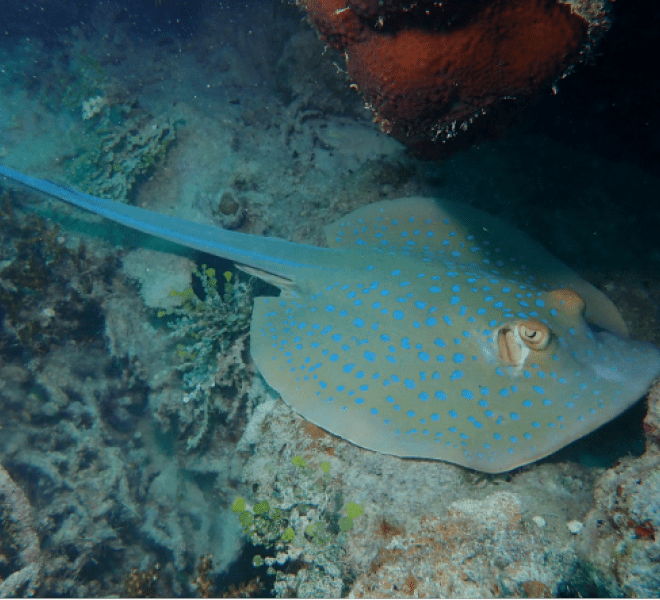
{"type": "Point", "coordinates": [534, 334]}
{"type": "Point", "coordinates": [571, 302]}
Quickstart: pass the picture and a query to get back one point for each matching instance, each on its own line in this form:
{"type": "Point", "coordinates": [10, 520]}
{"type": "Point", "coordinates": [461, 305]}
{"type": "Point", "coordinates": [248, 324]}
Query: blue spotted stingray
{"type": "Point", "coordinates": [426, 329]}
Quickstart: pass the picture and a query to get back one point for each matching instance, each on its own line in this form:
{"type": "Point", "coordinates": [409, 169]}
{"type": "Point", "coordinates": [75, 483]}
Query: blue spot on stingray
{"type": "Point", "coordinates": [370, 356]}
{"type": "Point", "coordinates": [373, 411]}
{"type": "Point", "coordinates": [483, 403]}
{"type": "Point", "coordinates": [410, 413]}
{"type": "Point", "coordinates": [454, 300]}
{"type": "Point", "coordinates": [398, 315]}
{"type": "Point", "coordinates": [447, 320]}
{"type": "Point", "coordinates": [497, 436]}
{"type": "Point", "coordinates": [467, 394]}
{"type": "Point", "coordinates": [439, 342]}
{"type": "Point", "coordinates": [504, 392]}
{"type": "Point", "coordinates": [333, 357]}
{"type": "Point", "coordinates": [424, 356]}
{"type": "Point", "coordinates": [536, 424]}
{"type": "Point", "coordinates": [329, 308]}
{"type": "Point", "coordinates": [323, 384]}
{"type": "Point", "coordinates": [423, 396]}
{"type": "Point", "coordinates": [359, 374]}
{"type": "Point", "coordinates": [527, 403]}
{"type": "Point", "coordinates": [538, 389]}
{"type": "Point", "coordinates": [431, 321]}
{"type": "Point", "coordinates": [453, 414]}
{"type": "Point", "coordinates": [440, 395]}
{"type": "Point", "coordinates": [409, 383]}
{"type": "Point", "coordinates": [359, 401]}
{"type": "Point", "coordinates": [390, 399]}
{"type": "Point", "coordinates": [456, 375]}
{"type": "Point", "coordinates": [348, 368]}
{"type": "Point", "coordinates": [458, 358]}
{"type": "Point", "coordinates": [364, 388]}
{"type": "Point", "coordinates": [420, 304]}
{"type": "Point", "coordinates": [514, 416]}
{"type": "Point", "coordinates": [434, 289]}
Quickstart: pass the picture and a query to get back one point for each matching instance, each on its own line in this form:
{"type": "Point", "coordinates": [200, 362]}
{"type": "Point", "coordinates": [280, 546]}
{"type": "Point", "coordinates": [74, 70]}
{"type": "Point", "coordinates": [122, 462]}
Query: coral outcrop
{"type": "Point", "coordinates": [429, 69]}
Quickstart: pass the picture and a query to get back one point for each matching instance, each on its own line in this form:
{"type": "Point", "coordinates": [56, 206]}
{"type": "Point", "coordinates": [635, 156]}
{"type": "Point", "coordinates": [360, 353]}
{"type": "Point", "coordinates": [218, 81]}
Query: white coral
{"type": "Point", "coordinates": [93, 106]}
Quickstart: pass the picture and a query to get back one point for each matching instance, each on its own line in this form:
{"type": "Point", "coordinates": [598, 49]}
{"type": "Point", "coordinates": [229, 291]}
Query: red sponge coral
{"type": "Point", "coordinates": [428, 69]}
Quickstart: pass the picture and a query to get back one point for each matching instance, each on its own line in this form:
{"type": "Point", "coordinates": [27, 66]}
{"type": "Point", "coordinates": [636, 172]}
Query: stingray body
{"type": "Point", "coordinates": [427, 329]}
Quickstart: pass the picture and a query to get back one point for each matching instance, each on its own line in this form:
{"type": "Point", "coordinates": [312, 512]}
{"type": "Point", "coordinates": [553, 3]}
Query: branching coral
{"type": "Point", "coordinates": [214, 334]}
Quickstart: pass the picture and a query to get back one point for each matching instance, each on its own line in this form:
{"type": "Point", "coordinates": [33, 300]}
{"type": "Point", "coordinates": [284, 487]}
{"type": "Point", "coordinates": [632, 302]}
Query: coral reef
{"type": "Point", "coordinates": [429, 69]}
{"type": "Point", "coordinates": [19, 538]}
{"type": "Point", "coordinates": [79, 366]}
{"type": "Point", "coordinates": [49, 293]}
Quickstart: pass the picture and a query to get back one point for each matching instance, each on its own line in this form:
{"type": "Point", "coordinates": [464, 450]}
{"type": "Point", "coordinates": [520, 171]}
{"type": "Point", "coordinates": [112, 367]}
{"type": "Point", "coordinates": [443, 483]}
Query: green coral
{"type": "Point", "coordinates": [214, 334]}
{"type": "Point", "coordinates": [298, 528]}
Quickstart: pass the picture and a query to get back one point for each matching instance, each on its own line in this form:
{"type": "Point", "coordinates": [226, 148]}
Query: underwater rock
{"type": "Point", "coordinates": [158, 273]}
{"type": "Point", "coordinates": [621, 533]}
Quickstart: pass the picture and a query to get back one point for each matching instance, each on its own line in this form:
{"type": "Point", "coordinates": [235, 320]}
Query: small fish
{"type": "Point", "coordinates": [427, 329]}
